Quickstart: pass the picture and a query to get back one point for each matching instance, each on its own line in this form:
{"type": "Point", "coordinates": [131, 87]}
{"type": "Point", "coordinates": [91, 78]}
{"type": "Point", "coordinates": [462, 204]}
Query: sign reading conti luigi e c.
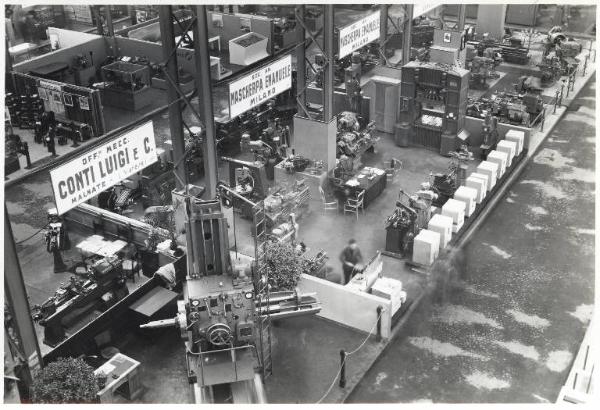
{"type": "Point", "coordinates": [103, 167]}
{"type": "Point", "coordinates": [359, 34]}
{"type": "Point", "coordinates": [260, 86]}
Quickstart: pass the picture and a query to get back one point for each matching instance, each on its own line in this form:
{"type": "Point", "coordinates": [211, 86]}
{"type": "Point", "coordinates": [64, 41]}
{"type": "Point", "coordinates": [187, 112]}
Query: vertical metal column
{"type": "Point", "coordinates": [462, 12]}
{"type": "Point", "coordinates": [98, 15]}
{"type": "Point", "coordinates": [18, 304]}
{"type": "Point", "coordinates": [407, 34]}
{"type": "Point", "coordinates": [383, 29]}
{"type": "Point", "coordinates": [109, 23]}
{"type": "Point", "coordinates": [205, 100]}
{"type": "Point", "coordinates": [167, 36]}
{"type": "Point", "coordinates": [328, 27]}
{"type": "Point", "coordinates": [301, 61]}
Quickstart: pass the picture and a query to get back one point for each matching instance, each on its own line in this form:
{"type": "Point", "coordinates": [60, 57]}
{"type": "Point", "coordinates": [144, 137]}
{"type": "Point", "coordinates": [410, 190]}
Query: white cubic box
{"type": "Point", "coordinates": [456, 210]}
{"type": "Point", "coordinates": [509, 148]}
{"type": "Point", "coordinates": [490, 170]}
{"type": "Point", "coordinates": [468, 196]}
{"type": "Point", "coordinates": [441, 224]}
{"type": "Point", "coordinates": [477, 182]}
{"type": "Point", "coordinates": [500, 158]}
{"type": "Point", "coordinates": [390, 289]}
{"type": "Point", "coordinates": [248, 48]}
{"type": "Point", "coordinates": [426, 247]}
{"type": "Point", "coordinates": [518, 137]}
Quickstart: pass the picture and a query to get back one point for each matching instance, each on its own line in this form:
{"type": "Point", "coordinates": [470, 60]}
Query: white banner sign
{"type": "Point", "coordinates": [260, 86]}
{"type": "Point", "coordinates": [105, 166]}
{"type": "Point", "coordinates": [359, 34]}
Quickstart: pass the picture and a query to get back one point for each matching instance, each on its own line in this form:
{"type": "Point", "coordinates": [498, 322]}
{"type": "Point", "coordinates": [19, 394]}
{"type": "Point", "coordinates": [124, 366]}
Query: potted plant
{"type": "Point", "coordinates": [283, 266]}
{"type": "Point", "coordinates": [66, 380]}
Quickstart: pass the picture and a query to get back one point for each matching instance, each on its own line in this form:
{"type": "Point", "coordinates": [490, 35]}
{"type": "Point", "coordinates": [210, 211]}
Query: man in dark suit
{"type": "Point", "coordinates": [350, 258]}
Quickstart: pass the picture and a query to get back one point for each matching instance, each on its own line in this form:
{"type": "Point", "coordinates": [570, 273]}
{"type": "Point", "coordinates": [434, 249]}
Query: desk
{"type": "Point", "coordinates": [373, 185]}
{"type": "Point", "coordinates": [52, 71]}
{"type": "Point", "coordinates": [97, 245]}
{"type": "Point", "coordinates": [121, 371]}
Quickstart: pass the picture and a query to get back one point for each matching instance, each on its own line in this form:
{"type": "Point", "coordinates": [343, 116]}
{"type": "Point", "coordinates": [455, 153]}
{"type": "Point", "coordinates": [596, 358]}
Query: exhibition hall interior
{"type": "Point", "coordinates": [299, 203]}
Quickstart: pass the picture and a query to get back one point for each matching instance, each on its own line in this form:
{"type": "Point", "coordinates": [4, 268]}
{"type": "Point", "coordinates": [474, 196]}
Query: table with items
{"type": "Point", "coordinates": [371, 180]}
{"type": "Point", "coordinates": [96, 245]}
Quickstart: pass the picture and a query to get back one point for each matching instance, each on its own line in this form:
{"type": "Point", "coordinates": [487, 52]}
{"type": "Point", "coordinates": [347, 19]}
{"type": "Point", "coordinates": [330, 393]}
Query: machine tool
{"type": "Point", "coordinates": [444, 185]}
{"type": "Point", "coordinates": [224, 318]}
{"type": "Point", "coordinates": [353, 136]}
{"type": "Point", "coordinates": [412, 214]}
{"type": "Point", "coordinates": [74, 301]}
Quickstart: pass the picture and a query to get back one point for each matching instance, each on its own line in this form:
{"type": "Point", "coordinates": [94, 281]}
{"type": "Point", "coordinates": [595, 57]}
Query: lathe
{"type": "Point", "coordinates": [74, 301]}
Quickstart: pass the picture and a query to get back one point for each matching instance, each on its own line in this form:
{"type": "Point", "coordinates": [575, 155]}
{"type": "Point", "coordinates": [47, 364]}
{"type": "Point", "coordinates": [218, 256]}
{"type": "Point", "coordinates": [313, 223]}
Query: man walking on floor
{"type": "Point", "coordinates": [350, 258]}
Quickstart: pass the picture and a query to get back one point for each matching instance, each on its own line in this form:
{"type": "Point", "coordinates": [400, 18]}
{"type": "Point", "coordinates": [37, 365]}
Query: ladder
{"type": "Point", "coordinates": [261, 287]}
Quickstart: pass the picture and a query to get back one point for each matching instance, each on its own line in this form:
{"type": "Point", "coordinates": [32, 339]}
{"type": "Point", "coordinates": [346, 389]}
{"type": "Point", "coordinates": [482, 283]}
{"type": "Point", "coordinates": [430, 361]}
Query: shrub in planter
{"type": "Point", "coordinates": [284, 266]}
{"type": "Point", "coordinates": [66, 380]}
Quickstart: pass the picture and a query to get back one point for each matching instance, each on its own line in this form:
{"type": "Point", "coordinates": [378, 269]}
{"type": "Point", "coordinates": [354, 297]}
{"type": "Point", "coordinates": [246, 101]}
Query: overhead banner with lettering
{"type": "Point", "coordinates": [103, 167]}
{"type": "Point", "coordinates": [260, 86]}
{"type": "Point", "coordinates": [359, 34]}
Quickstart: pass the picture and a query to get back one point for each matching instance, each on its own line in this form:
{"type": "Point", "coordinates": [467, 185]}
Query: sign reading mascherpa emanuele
{"type": "Point", "coordinates": [359, 34]}
{"type": "Point", "coordinates": [260, 86]}
{"type": "Point", "coordinates": [103, 167]}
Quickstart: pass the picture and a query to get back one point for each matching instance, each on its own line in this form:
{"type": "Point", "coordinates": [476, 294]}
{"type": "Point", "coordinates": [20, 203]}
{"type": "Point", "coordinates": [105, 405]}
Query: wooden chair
{"type": "Point", "coordinates": [328, 205]}
{"type": "Point", "coordinates": [354, 204]}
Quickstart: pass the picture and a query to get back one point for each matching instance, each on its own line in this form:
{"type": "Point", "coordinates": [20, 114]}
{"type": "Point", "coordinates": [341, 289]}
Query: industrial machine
{"type": "Point", "coordinates": [511, 49]}
{"type": "Point", "coordinates": [74, 301]}
{"type": "Point", "coordinates": [353, 136]}
{"type": "Point", "coordinates": [412, 214]}
{"type": "Point", "coordinates": [443, 185]}
{"type": "Point", "coordinates": [519, 109]}
{"type": "Point", "coordinates": [225, 316]}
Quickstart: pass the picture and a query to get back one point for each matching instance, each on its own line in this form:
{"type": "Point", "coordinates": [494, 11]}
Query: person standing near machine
{"type": "Point", "coordinates": [351, 258]}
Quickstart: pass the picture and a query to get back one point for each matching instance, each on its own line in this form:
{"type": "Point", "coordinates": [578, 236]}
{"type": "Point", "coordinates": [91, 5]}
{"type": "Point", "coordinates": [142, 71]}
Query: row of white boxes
{"type": "Point", "coordinates": [429, 242]}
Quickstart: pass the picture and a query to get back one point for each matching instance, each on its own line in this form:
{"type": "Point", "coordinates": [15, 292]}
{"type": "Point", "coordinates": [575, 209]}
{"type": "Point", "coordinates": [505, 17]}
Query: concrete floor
{"type": "Point", "coordinates": [508, 323]}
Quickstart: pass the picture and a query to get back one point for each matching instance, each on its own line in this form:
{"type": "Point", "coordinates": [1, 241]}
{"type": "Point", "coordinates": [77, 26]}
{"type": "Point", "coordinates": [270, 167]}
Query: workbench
{"type": "Point", "coordinates": [122, 377]}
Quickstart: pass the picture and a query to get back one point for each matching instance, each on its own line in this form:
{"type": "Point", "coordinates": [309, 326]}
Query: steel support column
{"type": "Point", "coordinates": [383, 29]}
{"type": "Point", "coordinates": [301, 61]}
{"type": "Point", "coordinates": [203, 85]}
{"type": "Point", "coordinates": [462, 12]}
{"type": "Point", "coordinates": [167, 35]}
{"type": "Point", "coordinates": [109, 23]}
{"type": "Point", "coordinates": [407, 33]}
{"type": "Point", "coordinates": [328, 27]}
{"type": "Point", "coordinates": [23, 336]}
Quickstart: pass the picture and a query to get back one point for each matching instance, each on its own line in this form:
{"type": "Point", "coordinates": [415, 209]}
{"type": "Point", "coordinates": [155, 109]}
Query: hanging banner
{"type": "Point", "coordinates": [103, 167]}
{"type": "Point", "coordinates": [359, 34]}
{"type": "Point", "coordinates": [260, 86]}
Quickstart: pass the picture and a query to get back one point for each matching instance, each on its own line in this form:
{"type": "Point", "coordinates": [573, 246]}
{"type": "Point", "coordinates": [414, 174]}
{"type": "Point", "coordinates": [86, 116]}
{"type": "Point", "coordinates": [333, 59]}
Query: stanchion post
{"type": "Point", "coordinates": [562, 87]}
{"type": "Point", "coordinates": [343, 368]}
{"type": "Point", "coordinates": [379, 310]}
{"type": "Point", "coordinates": [555, 101]}
{"type": "Point", "coordinates": [543, 119]}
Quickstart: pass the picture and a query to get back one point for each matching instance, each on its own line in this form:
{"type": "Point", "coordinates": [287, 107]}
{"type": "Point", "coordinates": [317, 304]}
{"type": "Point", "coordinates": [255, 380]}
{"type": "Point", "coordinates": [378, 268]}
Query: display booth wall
{"type": "Point", "coordinates": [68, 102]}
{"type": "Point", "coordinates": [99, 46]}
{"type": "Point", "coordinates": [347, 306]}
{"type": "Point", "coordinates": [229, 26]}
{"type": "Point", "coordinates": [70, 38]}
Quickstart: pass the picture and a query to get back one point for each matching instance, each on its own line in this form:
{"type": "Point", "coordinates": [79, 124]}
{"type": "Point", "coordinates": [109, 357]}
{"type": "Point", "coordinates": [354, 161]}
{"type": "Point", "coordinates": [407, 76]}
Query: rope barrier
{"type": "Point", "coordinates": [348, 354]}
{"type": "Point", "coordinates": [28, 238]}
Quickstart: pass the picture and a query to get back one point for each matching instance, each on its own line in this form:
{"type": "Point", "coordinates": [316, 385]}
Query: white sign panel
{"type": "Point", "coordinates": [359, 34]}
{"type": "Point", "coordinates": [260, 86]}
{"type": "Point", "coordinates": [103, 167]}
